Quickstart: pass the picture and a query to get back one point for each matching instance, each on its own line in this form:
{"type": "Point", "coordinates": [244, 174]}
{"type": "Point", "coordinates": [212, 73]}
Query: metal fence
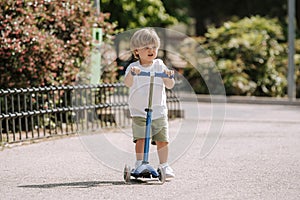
{"type": "Point", "coordinates": [35, 113]}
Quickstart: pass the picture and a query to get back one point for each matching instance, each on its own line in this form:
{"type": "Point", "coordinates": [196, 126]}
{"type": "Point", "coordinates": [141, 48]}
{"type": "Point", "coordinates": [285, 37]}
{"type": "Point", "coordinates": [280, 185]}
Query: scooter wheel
{"type": "Point", "coordinates": [127, 173]}
{"type": "Point", "coordinates": [162, 174]}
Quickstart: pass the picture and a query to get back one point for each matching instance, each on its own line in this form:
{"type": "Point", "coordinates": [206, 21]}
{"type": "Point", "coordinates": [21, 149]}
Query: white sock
{"type": "Point", "coordinates": [138, 163]}
{"type": "Point", "coordinates": [164, 164]}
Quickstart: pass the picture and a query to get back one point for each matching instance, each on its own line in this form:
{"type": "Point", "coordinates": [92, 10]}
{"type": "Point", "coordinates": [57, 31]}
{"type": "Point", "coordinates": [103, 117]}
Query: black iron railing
{"type": "Point", "coordinates": [35, 113]}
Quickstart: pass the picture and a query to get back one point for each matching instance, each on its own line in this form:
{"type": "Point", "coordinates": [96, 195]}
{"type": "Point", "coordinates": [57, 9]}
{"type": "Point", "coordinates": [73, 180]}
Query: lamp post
{"type": "Point", "coordinates": [291, 50]}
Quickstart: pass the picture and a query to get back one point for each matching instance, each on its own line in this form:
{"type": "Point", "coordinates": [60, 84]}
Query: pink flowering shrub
{"type": "Point", "coordinates": [44, 42]}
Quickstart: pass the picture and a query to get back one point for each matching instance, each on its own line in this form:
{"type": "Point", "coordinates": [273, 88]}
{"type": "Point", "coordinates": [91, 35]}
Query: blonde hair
{"type": "Point", "coordinates": [142, 38]}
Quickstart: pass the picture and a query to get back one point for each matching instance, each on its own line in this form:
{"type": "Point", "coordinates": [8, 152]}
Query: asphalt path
{"type": "Point", "coordinates": [245, 151]}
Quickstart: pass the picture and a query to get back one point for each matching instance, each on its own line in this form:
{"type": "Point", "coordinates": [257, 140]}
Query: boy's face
{"type": "Point", "coordinates": [147, 54]}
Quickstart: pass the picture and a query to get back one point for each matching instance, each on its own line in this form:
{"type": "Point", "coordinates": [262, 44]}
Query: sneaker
{"type": "Point", "coordinates": [169, 171]}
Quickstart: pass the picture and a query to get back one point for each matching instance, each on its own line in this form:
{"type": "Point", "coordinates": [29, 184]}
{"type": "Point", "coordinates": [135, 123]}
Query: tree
{"type": "Point", "coordinates": [217, 11]}
{"type": "Point", "coordinates": [45, 42]}
{"type": "Point", "coordinates": [132, 14]}
{"type": "Point", "coordinates": [178, 9]}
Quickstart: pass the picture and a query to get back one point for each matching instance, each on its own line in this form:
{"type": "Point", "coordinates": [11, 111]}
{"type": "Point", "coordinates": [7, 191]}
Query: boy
{"type": "Point", "coordinates": [144, 45]}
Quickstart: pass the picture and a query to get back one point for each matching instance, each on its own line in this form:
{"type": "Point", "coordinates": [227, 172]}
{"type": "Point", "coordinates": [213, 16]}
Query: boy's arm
{"type": "Point", "coordinates": [128, 80]}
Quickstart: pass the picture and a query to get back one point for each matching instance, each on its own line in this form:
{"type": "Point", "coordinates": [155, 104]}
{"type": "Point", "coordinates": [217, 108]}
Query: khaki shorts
{"type": "Point", "coordinates": [159, 129]}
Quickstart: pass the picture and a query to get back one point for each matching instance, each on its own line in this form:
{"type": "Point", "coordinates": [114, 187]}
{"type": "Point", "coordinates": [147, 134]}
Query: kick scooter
{"type": "Point", "coordinates": [145, 170]}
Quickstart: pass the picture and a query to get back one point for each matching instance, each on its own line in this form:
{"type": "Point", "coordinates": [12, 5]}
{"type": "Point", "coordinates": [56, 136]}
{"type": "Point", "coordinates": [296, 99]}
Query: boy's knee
{"type": "Point", "coordinates": [159, 143]}
{"type": "Point", "coordinates": [140, 140]}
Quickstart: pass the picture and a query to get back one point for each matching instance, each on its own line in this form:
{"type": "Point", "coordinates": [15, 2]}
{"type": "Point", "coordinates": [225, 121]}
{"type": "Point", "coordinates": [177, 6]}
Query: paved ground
{"type": "Point", "coordinates": [257, 156]}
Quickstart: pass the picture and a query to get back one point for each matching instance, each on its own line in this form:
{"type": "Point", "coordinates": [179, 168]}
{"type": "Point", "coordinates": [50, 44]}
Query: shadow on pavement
{"type": "Point", "coordinates": [89, 184]}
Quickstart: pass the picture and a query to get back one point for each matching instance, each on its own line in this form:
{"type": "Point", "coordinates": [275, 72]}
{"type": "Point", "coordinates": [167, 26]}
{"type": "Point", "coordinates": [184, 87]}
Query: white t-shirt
{"type": "Point", "coordinates": [139, 91]}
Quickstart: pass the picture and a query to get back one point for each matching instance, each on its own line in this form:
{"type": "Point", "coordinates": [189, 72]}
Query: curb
{"type": "Point", "coordinates": [252, 100]}
{"type": "Point", "coordinates": [243, 99]}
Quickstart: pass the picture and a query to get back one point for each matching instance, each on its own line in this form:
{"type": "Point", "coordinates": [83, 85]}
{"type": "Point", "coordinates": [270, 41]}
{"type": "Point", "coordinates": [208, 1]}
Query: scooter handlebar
{"type": "Point", "coordinates": [155, 74]}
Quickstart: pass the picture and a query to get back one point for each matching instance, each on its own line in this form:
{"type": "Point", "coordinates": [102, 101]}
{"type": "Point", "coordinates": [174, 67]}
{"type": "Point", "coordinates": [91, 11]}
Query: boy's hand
{"type": "Point", "coordinates": [169, 72]}
{"type": "Point", "coordinates": [169, 82]}
{"type": "Point", "coordinates": [135, 70]}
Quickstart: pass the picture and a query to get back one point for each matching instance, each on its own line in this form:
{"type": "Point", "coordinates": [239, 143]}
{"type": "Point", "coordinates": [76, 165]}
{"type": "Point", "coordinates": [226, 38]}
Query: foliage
{"type": "Point", "coordinates": [249, 54]}
{"type": "Point", "coordinates": [178, 9]}
{"type": "Point", "coordinates": [250, 57]}
{"type": "Point", "coordinates": [218, 11]}
{"type": "Point", "coordinates": [199, 65]}
{"type": "Point", "coordinates": [45, 42]}
{"type": "Point", "coordinates": [132, 14]}
{"type": "Point", "coordinates": [109, 64]}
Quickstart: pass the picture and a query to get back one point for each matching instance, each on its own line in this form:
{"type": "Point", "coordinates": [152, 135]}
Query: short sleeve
{"type": "Point", "coordinates": [162, 65]}
{"type": "Point", "coordinates": [128, 69]}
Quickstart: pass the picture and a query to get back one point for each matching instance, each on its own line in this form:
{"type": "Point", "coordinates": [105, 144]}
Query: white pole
{"type": "Point", "coordinates": [98, 7]}
{"type": "Point", "coordinates": [96, 53]}
{"type": "Point", "coordinates": [291, 50]}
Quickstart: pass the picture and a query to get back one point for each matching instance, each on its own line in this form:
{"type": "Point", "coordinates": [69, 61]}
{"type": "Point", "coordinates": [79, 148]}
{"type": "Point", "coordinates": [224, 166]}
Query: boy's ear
{"type": "Point", "coordinates": [136, 53]}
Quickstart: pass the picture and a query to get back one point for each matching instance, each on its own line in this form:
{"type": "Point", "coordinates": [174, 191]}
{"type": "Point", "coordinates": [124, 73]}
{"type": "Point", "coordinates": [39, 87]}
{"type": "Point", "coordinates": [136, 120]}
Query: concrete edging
{"type": "Point", "coordinates": [246, 100]}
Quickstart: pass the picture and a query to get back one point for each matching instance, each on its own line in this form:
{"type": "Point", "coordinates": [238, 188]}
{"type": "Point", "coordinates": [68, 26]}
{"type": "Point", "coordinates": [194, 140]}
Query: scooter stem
{"type": "Point", "coordinates": [148, 121]}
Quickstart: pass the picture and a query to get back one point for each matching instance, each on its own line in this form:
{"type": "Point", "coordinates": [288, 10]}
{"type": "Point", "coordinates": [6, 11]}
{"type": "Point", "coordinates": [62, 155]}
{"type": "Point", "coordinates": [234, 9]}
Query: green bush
{"type": "Point", "coordinates": [45, 42]}
{"type": "Point", "coordinates": [250, 55]}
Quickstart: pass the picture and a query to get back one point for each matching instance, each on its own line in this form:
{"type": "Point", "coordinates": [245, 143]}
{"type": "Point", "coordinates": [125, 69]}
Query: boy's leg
{"type": "Point", "coordinates": [160, 137]}
{"type": "Point", "coordinates": [163, 151]}
{"type": "Point", "coordinates": [139, 149]}
{"type": "Point", "coordinates": [139, 152]}
{"type": "Point", "coordinates": [138, 130]}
